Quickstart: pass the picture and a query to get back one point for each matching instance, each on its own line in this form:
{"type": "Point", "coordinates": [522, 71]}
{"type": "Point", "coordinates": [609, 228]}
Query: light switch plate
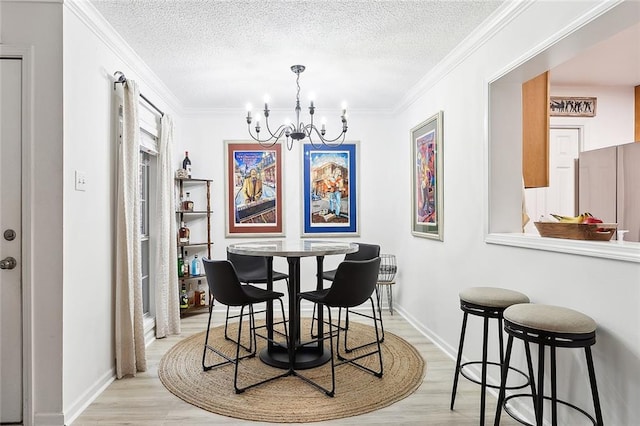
{"type": "Point", "coordinates": [81, 181]}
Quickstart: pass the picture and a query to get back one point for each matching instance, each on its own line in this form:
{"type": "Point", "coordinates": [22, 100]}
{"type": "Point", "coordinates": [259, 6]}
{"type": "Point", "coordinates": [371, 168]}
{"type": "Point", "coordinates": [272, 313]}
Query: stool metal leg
{"type": "Point", "coordinates": [483, 395]}
{"type": "Point", "coordinates": [457, 372]}
{"type": "Point", "coordinates": [554, 393]}
{"type": "Point", "coordinates": [527, 349]}
{"type": "Point", "coordinates": [594, 386]}
{"type": "Point", "coordinates": [540, 395]}
{"type": "Point", "coordinates": [503, 381]}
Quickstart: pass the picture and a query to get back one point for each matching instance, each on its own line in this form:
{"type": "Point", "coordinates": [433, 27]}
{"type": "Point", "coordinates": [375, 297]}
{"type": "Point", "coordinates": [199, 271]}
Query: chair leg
{"type": "Point", "coordinates": [226, 335]}
{"type": "Point", "coordinates": [329, 335]}
{"type": "Point", "coordinates": [376, 341]}
{"type": "Point", "coordinates": [206, 338]}
{"type": "Point", "coordinates": [238, 358]}
{"type": "Point", "coordinates": [483, 383]}
{"type": "Point", "coordinates": [346, 328]}
{"type": "Point", "coordinates": [457, 371]}
{"type": "Point", "coordinates": [227, 358]}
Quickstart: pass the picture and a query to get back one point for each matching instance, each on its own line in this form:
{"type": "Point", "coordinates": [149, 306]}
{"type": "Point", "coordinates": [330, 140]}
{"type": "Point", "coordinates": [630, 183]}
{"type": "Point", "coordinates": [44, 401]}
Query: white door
{"type": "Point", "coordinates": [560, 196]}
{"type": "Point", "coordinates": [564, 148]}
{"type": "Point", "coordinates": [10, 245]}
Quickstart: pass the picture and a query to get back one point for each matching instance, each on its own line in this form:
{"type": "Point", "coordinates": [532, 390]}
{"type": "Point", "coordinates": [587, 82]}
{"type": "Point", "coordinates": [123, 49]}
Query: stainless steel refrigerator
{"type": "Point", "coordinates": [609, 186]}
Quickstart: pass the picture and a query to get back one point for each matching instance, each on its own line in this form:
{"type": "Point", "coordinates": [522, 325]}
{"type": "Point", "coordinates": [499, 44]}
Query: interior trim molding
{"type": "Point", "coordinates": [627, 251]}
{"type": "Point", "coordinates": [484, 32]}
{"type": "Point", "coordinates": [89, 15]}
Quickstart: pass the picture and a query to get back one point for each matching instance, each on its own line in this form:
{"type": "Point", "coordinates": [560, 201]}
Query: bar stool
{"type": "Point", "coordinates": [553, 327]}
{"type": "Point", "coordinates": [485, 302]}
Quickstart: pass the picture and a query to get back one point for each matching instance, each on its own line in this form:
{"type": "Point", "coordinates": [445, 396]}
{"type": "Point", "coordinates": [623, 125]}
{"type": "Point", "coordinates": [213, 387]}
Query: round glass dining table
{"type": "Point", "coordinates": [301, 357]}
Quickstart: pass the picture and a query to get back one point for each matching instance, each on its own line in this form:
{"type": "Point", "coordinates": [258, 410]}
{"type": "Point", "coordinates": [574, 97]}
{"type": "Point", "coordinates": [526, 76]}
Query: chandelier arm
{"type": "Point", "coordinates": [309, 128]}
{"type": "Point", "coordinates": [275, 137]}
{"type": "Point", "coordinates": [279, 131]}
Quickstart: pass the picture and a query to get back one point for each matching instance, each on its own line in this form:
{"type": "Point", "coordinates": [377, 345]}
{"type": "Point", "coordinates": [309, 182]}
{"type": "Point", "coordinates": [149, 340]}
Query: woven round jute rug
{"type": "Point", "coordinates": [290, 399]}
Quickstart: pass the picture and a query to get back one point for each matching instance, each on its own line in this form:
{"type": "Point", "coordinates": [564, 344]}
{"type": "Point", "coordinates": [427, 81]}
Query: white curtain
{"type": "Point", "coordinates": [130, 349]}
{"type": "Point", "coordinates": [166, 281]}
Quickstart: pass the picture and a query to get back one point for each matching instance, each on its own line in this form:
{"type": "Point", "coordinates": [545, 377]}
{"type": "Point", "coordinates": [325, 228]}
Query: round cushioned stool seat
{"type": "Point", "coordinates": [553, 319]}
{"type": "Point", "coordinates": [492, 297]}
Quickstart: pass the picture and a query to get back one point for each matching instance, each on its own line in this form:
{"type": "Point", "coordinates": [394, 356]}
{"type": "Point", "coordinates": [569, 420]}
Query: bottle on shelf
{"type": "Point", "coordinates": [201, 294]}
{"type": "Point", "coordinates": [180, 265]}
{"type": "Point", "coordinates": [183, 234]}
{"type": "Point", "coordinates": [186, 164]}
{"type": "Point", "coordinates": [184, 299]}
{"type": "Point", "coordinates": [195, 266]}
{"type": "Point", "coordinates": [187, 204]}
{"type": "Point", "coordinates": [198, 295]}
{"type": "Point", "coordinates": [186, 267]}
{"type": "Point", "coordinates": [191, 296]}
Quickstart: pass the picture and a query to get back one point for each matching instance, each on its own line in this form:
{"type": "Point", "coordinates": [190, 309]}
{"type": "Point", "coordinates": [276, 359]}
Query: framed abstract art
{"type": "Point", "coordinates": [427, 178]}
{"type": "Point", "coordinates": [330, 185]}
{"type": "Point", "coordinates": [253, 190]}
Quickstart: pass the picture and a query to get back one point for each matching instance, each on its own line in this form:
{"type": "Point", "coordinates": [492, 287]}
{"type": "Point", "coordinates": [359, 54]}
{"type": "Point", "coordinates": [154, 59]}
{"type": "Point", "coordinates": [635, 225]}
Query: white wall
{"type": "Point", "coordinates": [607, 290]}
{"type": "Point", "coordinates": [39, 26]}
{"type": "Point", "coordinates": [90, 60]}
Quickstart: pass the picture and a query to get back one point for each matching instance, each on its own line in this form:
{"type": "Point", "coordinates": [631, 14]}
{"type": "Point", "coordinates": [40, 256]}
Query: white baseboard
{"type": "Point", "coordinates": [87, 397]}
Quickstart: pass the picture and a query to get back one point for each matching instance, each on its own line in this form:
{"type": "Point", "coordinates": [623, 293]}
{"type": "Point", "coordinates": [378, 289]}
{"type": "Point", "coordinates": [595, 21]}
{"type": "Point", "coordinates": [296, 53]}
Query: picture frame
{"type": "Point", "coordinates": [427, 178]}
{"type": "Point", "coordinates": [253, 189]}
{"type": "Point", "coordinates": [572, 106]}
{"type": "Point", "coordinates": [330, 186]}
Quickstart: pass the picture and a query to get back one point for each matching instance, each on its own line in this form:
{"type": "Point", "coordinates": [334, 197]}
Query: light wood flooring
{"type": "Point", "coordinates": [143, 400]}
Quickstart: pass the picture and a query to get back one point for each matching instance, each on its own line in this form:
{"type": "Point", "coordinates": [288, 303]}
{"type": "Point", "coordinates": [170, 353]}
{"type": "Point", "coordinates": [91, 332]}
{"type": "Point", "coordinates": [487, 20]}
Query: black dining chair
{"type": "Point", "coordinates": [225, 287]}
{"type": "Point", "coordinates": [354, 282]}
{"type": "Point", "coordinates": [365, 252]}
{"type": "Point", "coordinates": [251, 270]}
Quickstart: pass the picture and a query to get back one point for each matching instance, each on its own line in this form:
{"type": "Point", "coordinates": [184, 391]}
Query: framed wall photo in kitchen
{"type": "Point", "coordinates": [571, 106]}
{"type": "Point", "coordinates": [330, 185]}
{"type": "Point", "coordinates": [253, 190]}
{"type": "Point", "coordinates": [427, 178]}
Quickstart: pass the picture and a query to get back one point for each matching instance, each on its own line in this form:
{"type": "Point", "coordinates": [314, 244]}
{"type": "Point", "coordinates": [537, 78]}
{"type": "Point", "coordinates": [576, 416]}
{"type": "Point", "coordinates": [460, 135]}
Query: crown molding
{"type": "Point", "coordinates": [90, 16]}
{"type": "Point", "coordinates": [483, 33]}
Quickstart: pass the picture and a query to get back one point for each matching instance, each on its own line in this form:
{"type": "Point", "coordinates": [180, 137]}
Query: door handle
{"type": "Point", "coordinates": [8, 263]}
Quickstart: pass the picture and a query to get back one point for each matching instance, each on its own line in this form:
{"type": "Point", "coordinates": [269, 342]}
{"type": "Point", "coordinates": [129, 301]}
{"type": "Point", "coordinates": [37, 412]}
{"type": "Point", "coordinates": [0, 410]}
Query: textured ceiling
{"type": "Point", "coordinates": [216, 54]}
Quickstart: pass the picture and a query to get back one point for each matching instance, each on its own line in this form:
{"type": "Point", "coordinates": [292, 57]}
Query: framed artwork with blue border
{"type": "Point", "coordinates": [253, 190]}
{"type": "Point", "coordinates": [427, 178]}
{"type": "Point", "coordinates": [330, 185]}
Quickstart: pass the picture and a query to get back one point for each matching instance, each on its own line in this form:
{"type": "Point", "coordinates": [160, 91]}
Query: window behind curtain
{"type": "Point", "coordinates": [149, 138]}
{"type": "Point", "coordinates": [144, 227]}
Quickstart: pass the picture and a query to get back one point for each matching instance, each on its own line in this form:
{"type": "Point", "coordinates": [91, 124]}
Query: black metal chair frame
{"type": "Point", "coordinates": [327, 299]}
{"type": "Point", "coordinates": [365, 252]}
{"type": "Point", "coordinates": [552, 340]}
{"type": "Point", "coordinates": [252, 277]}
{"type": "Point", "coordinates": [486, 312]}
{"type": "Point", "coordinates": [243, 300]}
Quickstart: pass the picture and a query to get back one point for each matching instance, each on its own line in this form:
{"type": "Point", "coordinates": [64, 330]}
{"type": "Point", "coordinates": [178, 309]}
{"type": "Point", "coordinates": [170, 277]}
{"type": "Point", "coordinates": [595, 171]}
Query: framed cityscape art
{"type": "Point", "coordinates": [253, 189]}
{"type": "Point", "coordinates": [426, 178]}
{"type": "Point", "coordinates": [330, 185]}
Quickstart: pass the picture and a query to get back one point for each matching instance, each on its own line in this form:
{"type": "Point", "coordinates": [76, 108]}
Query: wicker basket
{"type": "Point", "coordinates": [577, 231]}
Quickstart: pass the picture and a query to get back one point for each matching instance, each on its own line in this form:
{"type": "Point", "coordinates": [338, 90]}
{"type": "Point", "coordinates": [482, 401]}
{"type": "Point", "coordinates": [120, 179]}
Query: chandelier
{"type": "Point", "coordinates": [298, 131]}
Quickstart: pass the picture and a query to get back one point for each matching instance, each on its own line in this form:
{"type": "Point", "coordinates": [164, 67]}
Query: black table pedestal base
{"type": "Point", "coordinates": [305, 358]}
